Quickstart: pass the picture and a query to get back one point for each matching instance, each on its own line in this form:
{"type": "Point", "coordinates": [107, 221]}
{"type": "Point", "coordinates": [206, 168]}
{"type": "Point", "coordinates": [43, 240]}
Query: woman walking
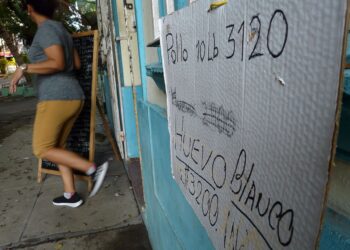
{"type": "Point", "coordinates": [61, 99]}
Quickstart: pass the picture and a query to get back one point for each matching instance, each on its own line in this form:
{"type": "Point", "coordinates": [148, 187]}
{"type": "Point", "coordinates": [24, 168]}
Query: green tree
{"type": "Point", "coordinates": [15, 24]}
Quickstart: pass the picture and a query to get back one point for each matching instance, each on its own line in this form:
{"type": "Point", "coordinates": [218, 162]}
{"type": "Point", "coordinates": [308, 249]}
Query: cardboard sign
{"type": "Point", "coordinates": [252, 90]}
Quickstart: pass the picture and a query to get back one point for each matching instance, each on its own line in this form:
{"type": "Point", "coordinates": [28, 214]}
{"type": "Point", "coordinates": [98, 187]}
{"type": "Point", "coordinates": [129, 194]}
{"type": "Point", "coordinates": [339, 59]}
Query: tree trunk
{"type": "Point", "coordinates": [11, 44]}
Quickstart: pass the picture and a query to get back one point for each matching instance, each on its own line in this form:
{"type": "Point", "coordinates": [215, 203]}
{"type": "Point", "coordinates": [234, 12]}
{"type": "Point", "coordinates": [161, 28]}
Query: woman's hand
{"type": "Point", "coordinates": [15, 79]}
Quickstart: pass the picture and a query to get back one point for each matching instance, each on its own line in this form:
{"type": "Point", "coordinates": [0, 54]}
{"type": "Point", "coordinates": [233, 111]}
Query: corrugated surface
{"type": "Point", "coordinates": [129, 121]}
{"type": "Point", "coordinates": [254, 130]}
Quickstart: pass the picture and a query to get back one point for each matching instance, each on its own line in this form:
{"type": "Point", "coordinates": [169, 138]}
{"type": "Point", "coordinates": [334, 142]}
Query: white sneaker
{"type": "Point", "coordinates": [98, 178]}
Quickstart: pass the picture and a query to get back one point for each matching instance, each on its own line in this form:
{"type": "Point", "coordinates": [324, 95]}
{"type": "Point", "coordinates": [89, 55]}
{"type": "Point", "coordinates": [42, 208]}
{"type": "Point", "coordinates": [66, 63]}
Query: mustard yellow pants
{"type": "Point", "coordinates": [53, 122]}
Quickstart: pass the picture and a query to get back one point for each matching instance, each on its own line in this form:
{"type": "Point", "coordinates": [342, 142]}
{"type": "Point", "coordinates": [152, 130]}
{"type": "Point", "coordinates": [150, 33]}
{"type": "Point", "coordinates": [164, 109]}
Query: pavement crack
{"type": "Point", "coordinates": [31, 212]}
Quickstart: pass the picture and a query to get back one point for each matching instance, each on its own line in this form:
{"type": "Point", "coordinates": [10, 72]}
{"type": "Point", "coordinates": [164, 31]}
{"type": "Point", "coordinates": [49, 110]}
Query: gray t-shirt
{"type": "Point", "coordinates": [62, 85]}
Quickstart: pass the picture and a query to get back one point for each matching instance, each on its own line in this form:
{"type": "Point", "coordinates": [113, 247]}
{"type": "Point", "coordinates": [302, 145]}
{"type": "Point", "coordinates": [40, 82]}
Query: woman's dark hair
{"type": "Point", "coordinates": [44, 7]}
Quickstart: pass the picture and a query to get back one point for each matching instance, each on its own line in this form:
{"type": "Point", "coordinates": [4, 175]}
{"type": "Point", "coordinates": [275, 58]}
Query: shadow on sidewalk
{"type": "Point", "coordinates": [27, 216]}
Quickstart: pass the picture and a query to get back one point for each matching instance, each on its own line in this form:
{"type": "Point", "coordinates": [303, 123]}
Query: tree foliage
{"type": "Point", "coordinates": [16, 24]}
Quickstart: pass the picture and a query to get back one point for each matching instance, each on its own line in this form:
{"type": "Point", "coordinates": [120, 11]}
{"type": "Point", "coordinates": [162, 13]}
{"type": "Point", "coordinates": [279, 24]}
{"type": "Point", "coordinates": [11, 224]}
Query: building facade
{"type": "Point", "coordinates": [134, 95]}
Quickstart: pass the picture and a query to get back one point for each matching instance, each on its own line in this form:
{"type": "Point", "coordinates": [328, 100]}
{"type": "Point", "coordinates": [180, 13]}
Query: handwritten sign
{"type": "Point", "coordinates": [252, 92]}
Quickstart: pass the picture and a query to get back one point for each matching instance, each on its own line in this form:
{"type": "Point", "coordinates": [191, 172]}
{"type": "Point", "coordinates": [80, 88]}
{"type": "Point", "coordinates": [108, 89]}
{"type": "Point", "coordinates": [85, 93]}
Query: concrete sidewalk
{"type": "Point", "coordinates": [27, 217]}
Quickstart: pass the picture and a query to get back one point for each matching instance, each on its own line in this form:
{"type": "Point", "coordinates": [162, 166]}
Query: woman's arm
{"type": "Point", "coordinates": [55, 63]}
{"type": "Point", "coordinates": [77, 64]}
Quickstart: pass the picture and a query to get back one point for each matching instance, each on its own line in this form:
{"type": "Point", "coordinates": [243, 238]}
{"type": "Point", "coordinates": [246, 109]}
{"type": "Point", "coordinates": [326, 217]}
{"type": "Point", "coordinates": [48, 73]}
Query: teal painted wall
{"type": "Point", "coordinates": [118, 45]}
{"type": "Point", "coordinates": [129, 121]}
{"type": "Point", "coordinates": [335, 232]}
{"type": "Point", "coordinates": [180, 4]}
{"type": "Point", "coordinates": [171, 222]}
{"type": "Point", "coordinates": [162, 8]}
